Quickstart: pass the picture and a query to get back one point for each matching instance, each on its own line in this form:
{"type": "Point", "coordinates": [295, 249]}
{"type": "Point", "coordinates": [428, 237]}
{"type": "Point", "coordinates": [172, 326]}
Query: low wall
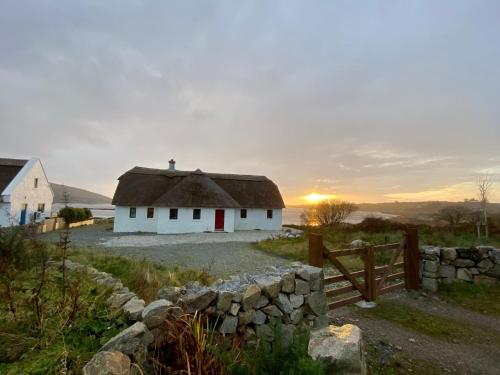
{"type": "Point", "coordinates": [480, 265]}
{"type": "Point", "coordinates": [81, 223]}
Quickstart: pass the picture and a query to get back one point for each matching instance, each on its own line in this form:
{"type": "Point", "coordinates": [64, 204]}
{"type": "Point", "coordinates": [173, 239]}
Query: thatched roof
{"type": "Point", "coordinates": [166, 188]}
{"type": "Point", "coordinates": [9, 168]}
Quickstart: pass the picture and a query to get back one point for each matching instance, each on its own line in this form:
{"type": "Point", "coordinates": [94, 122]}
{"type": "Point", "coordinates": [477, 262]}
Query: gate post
{"type": "Point", "coordinates": [370, 274]}
{"type": "Point", "coordinates": [316, 250]}
{"type": "Point", "coordinates": [412, 260]}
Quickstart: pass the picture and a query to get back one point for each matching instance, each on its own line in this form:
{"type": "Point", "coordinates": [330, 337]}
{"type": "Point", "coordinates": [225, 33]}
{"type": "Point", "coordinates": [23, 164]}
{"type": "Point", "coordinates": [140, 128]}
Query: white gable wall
{"type": "Point", "coordinates": [21, 190]}
{"type": "Point", "coordinates": [257, 219]}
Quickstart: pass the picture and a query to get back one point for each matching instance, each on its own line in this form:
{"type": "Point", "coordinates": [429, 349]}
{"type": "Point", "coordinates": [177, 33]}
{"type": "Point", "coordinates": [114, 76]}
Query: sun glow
{"type": "Point", "coordinates": [316, 198]}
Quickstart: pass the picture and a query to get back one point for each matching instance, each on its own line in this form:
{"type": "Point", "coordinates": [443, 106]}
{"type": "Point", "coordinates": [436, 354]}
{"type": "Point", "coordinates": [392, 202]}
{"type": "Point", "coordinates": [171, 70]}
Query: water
{"type": "Point", "coordinates": [290, 215]}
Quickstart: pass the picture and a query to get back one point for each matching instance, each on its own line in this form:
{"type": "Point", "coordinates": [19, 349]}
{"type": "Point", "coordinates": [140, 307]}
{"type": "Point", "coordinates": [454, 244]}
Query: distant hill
{"type": "Point", "coordinates": [422, 210]}
{"type": "Point", "coordinates": [77, 195]}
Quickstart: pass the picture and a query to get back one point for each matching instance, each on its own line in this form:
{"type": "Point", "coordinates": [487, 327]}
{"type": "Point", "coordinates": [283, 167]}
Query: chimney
{"type": "Point", "coordinates": [171, 165]}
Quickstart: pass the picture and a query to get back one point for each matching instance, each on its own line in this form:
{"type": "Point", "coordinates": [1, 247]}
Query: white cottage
{"type": "Point", "coordinates": [173, 201]}
{"type": "Point", "coordinates": [25, 193]}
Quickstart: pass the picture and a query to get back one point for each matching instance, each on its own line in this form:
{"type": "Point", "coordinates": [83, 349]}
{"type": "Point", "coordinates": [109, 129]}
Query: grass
{"type": "Point", "coordinates": [56, 347]}
{"type": "Point", "coordinates": [480, 298]}
{"type": "Point", "coordinates": [141, 276]}
{"type": "Point", "coordinates": [425, 323]}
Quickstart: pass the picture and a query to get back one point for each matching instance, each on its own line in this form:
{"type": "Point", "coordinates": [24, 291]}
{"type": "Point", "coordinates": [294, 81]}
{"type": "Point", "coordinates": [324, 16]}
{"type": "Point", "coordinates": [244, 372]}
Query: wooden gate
{"type": "Point", "coordinates": [375, 281]}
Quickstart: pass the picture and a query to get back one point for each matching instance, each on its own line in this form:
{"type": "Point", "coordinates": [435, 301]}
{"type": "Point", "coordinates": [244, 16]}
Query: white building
{"type": "Point", "coordinates": [172, 201]}
{"type": "Point", "coordinates": [25, 193]}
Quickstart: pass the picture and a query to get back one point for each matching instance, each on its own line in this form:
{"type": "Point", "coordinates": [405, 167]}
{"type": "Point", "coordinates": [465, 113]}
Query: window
{"type": "Point", "coordinates": [269, 214]}
{"type": "Point", "coordinates": [151, 212]}
{"type": "Point", "coordinates": [174, 213]}
{"type": "Point", "coordinates": [197, 214]}
{"type": "Point", "coordinates": [35, 183]}
{"type": "Point", "coordinates": [41, 207]}
{"type": "Point", "coordinates": [243, 213]}
{"type": "Point", "coordinates": [132, 213]}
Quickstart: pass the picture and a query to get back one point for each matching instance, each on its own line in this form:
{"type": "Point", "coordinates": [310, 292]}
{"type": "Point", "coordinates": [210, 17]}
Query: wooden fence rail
{"type": "Point", "coordinates": [374, 279]}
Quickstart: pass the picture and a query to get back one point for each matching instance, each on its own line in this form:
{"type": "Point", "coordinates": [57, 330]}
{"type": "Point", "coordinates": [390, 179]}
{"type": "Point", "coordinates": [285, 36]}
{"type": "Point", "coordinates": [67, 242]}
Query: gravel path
{"type": "Point", "coordinates": [222, 254]}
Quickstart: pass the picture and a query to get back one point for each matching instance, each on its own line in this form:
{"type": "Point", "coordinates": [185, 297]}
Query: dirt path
{"type": "Point", "coordinates": [403, 350]}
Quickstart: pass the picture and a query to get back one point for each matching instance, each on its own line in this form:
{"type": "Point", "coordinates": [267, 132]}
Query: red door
{"type": "Point", "coordinates": [219, 219]}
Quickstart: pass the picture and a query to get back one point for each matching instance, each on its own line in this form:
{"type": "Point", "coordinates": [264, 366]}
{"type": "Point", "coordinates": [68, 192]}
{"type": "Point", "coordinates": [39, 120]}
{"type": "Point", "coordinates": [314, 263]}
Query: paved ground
{"type": "Point", "coordinates": [223, 254]}
{"type": "Point", "coordinates": [454, 356]}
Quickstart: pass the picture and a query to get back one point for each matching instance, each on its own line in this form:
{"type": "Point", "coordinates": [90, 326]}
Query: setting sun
{"type": "Point", "coordinates": [316, 198]}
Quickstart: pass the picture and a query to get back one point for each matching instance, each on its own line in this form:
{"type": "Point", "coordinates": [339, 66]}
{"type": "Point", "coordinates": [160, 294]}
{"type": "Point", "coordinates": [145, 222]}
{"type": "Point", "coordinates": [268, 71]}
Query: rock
{"type": "Point", "coordinates": [448, 273]}
{"type": "Point", "coordinates": [246, 317]}
{"type": "Point", "coordinates": [107, 281]}
{"type": "Point", "coordinates": [484, 250]}
{"type": "Point", "coordinates": [108, 363]}
{"type": "Point", "coordinates": [264, 332]}
{"type": "Point", "coordinates": [432, 251]}
{"type": "Point", "coordinates": [130, 341]}
{"type": "Point", "coordinates": [286, 334]}
{"type": "Point", "coordinates": [117, 300]}
{"type": "Point", "coordinates": [468, 253]}
{"type": "Point", "coordinates": [263, 301]}
{"type": "Point", "coordinates": [272, 310]}
{"type": "Point", "coordinates": [339, 348]}
{"type": "Point", "coordinates": [473, 271]}
{"type": "Point", "coordinates": [283, 303]}
{"type": "Point", "coordinates": [235, 307]}
{"type": "Point", "coordinates": [430, 284]}
{"type": "Point", "coordinates": [464, 274]}
{"type": "Point", "coordinates": [296, 300]}
{"type": "Point", "coordinates": [485, 280]}
{"type": "Point", "coordinates": [156, 312]}
{"type": "Point", "coordinates": [485, 265]}
{"type": "Point", "coordinates": [288, 285]}
{"type": "Point", "coordinates": [431, 266]}
{"type": "Point", "coordinates": [229, 325]}
{"type": "Point", "coordinates": [464, 263]}
{"type": "Point", "coordinates": [296, 316]}
{"type": "Point", "coordinates": [237, 297]}
{"type": "Point", "coordinates": [198, 301]}
{"type": "Point", "coordinates": [321, 321]}
{"type": "Point", "coordinates": [250, 297]}
{"type": "Point", "coordinates": [449, 253]}
{"type": "Point", "coordinates": [224, 301]}
{"type": "Point", "coordinates": [133, 308]}
{"type": "Point", "coordinates": [259, 318]}
{"type": "Point", "coordinates": [170, 293]}
{"type": "Point", "coordinates": [302, 287]}
{"type": "Point", "coordinates": [495, 272]}
{"type": "Point", "coordinates": [312, 274]}
{"type": "Point", "coordinates": [249, 334]}
{"type": "Point", "coordinates": [270, 285]}
{"type": "Point", "coordinates": [316, 303]}
{"type": "Point", "coordinates": [432, 275]}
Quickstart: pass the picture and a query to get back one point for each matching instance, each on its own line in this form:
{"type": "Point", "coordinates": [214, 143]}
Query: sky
{"type": "Point", "coordinates": [365, 101]}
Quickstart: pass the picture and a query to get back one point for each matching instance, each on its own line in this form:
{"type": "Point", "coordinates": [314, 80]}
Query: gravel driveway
{"type": "Point", "coordinates": [222, 254]}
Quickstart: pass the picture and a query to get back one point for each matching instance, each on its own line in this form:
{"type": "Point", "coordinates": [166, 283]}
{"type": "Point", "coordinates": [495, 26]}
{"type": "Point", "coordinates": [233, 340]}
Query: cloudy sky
{"type": "Point", "coordinates": [370, 101]}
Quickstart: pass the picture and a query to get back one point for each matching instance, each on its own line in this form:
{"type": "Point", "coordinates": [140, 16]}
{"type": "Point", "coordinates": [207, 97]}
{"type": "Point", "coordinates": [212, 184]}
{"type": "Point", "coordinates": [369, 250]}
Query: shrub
{"type": "Point", "coordinates": [74, 214]}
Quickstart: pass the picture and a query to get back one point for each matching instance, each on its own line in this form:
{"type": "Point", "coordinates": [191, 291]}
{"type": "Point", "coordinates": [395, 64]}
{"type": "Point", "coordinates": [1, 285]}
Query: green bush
{"type": "Point", "coordinates": [74, 215]}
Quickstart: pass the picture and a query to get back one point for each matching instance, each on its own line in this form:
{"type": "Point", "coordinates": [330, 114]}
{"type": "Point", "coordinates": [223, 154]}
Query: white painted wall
{"type": "Point", "coordinates": [5, 219]}
{"type": "Point", "coordinates": [141, 223]}
{"type": "Point", "coordinates": [162, 224]}
{"type": "Point", "coordinates": [257, 219]}
{"type": "Point", "coordinates": [21, 190]}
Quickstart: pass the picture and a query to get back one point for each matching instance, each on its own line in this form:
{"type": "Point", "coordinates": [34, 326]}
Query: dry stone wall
{"type": "Point", "coordinates": [480, 265]}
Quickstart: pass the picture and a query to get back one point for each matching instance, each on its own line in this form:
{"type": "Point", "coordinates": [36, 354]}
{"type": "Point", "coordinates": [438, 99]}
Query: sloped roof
{"type": "Point", "coordinates": [9, 168]}
{"type": "Point", "coordinates": [158, 187]}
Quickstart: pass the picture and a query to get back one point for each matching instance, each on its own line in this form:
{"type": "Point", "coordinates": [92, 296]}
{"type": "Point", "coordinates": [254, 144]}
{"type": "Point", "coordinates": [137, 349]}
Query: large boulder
{"type": "Point", "coordinates": [130, 341]}
{"type": "Point", "coordinates": [340, 348]}
{"type": "Point", "coordinates": [198, 301]}
{"type": "Point", "coordinates": [108, 363]}
{"type": "Point", "coordinates": [156, 312]}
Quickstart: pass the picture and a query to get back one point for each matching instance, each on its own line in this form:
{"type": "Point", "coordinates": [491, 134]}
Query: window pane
{"type": "Point", "coordinates": [243, 213]}
{"type": "Point", "coordinates": [132, 212]}
{"type": "Point", "coordinates": [36, 183]}
{"type": "Point", "coordinates": [269, 214]}
{"type": "Point", "coordinates": [173, 214]}
{"type": "Point", "coordinates": [196, 214]}
{"type": "Point", "coordinates": [151, 212]}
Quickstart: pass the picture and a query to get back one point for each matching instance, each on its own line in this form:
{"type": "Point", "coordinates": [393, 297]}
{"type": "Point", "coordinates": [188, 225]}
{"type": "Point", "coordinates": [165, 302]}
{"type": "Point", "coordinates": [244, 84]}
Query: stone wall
{"type": "Point", "coordinates": [480, 265]}
{"type": "Point", "coordinates": [251, 305]}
